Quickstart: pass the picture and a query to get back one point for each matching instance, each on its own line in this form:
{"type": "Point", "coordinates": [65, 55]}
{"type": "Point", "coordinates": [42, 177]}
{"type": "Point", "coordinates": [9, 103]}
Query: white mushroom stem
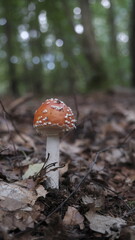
{"type": "Point", "coordinates": [52, 148]}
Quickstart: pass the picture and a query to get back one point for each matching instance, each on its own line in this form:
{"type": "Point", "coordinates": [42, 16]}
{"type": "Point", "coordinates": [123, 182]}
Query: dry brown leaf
{"type": "Point", "coordinates": [69, 149]}
{"type": "Point", "coordinates": [116, 156]}
{"type": "Point", "coordinates": [73, 217]}
{"type": "Point", "coordinates": [97, 201]}
{"type": "Point", "coordinates": [27, 183]}
{"type": "Point", "coordinates": [5, 125]}
{"type": "Point", "coordinates": [25, 140]}
{"type": "Point", "coordinates": [33, 169]}
{"type": "Point", "coordinates": [18, 102]}
{"type": "Point", "coordinates": [113, 127]}
{"type": "Point", "coordinates": [128, 233]}
{"type": "Point", "coordinates": [107, 225]}
{"type": "Point", "coordinates": [18, 219]}
{"type": "Point", "coordinates": [64, 169]}
{"type": "Point", "coordinates": [15, 197]}
{"type": "Point", "coordinates": [129, 114]}
{"type": "Point", "coordinates": [41, 192]}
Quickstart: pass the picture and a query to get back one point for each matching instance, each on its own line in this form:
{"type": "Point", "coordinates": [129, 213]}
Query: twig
{"type": "Point", "coordinates": [80, 183]}
{"type": "Point", "coordinates": [42, 170]}
{"type": "Point", "coordinates": [116, 193]}
{"type": "Point", "coordinates": [127, 137]}
{"type": "Point", "coordinates": [4, 150]}
{"type": "Point", "coordinates": [83, 179]}
{"type": "Point", "coordinates": [130, 212]}
{"type": "Point", "coordinates": [5, 113]}
{"type": "Point", "coordinates": [73, 192]}
{"type": "Point", "coordinates": [76, 106]}
{"type": "Point", "coordinates": [15, 104]}
{"type": "Point", "coordinates": [46, 169]}
{"type": "Point", "coordinates": [10, 117]}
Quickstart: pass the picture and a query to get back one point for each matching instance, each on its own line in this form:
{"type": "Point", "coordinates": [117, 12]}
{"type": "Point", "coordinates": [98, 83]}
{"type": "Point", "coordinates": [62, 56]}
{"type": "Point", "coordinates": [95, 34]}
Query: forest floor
{"type": "Point", "coordinates": [96, 199]}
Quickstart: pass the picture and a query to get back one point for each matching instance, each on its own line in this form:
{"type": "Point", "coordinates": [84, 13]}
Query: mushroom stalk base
{"type": "Point", "coordinates": [52, 148]}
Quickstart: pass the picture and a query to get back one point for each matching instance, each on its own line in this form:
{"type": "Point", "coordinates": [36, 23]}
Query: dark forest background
{"type": "Point", "coordinates": [60, 46]}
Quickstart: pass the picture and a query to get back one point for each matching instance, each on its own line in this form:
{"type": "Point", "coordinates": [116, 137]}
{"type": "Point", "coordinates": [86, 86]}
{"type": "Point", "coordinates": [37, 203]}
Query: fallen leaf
{"type": "Point", "coordinates": [97, 201]}
{"type": "Point", "coordinates": [6, 125]}
{"type": "Point", "coordinates": [113, 127]}
{"type": "Point", "coordinates": [73, 217]}
{"type": "Point", "coordinates": [27, 183]}
{"type": "Point", "coordinates": [24, 140]}
{"type": "Point", "coordinates": [116, 156]}
{"type": "Point", "coordinates": [64, 169]}
{"type": "Point", "coordinates": [69, 149]}
{"type": "Point", "coordinates": [41, 192]}
{"type": "Point", "coordinates": [128, 233]}
{"type": "Point", "coordinates": [107, 225]}
{"type": "Point", "coordinates": [32, 170]}
{"type": "Point", "coordinates": [15, 197]}
{"type": "Point", "coordinates": [19, 219]}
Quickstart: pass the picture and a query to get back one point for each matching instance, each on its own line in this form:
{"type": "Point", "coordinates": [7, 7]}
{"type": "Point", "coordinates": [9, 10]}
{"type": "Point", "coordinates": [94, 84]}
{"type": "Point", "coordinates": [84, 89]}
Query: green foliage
{"type": "Point", "coordinates": [43, 52]}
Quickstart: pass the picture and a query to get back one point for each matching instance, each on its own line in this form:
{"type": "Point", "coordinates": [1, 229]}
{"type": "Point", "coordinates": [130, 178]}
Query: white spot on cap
{"type": "Point", "coordinates": [56, 107]}
{"type": "Point", "coordinates": [37, 122]}
{"type": "Point", "coordinates": [73, 120]}
{"type": "Point", "coordinates": [67, 122]}
{"type": "Point", "coordinates": [45, 119]}
{"type": "Point", "coordinates": [40, 117]}
{"type": "Point", "coordinates": [44, 111]}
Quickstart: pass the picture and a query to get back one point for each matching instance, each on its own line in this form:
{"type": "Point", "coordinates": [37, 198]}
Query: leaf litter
{"type": "Point", "coordinates": [96, 199]}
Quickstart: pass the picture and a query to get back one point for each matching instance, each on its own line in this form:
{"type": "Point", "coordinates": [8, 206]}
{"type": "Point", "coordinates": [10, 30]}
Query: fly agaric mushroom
{"type": "Point", "coordinates": [50, 119]}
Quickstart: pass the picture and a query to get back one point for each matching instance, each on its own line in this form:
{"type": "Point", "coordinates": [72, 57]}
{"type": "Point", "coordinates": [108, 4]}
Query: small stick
{"type": "Point", "coordinates": [73, 192]}
{"type": "Point", "coordinates": [15, 104]}
{"type": "Point", "coordinates": [10, 117]}
{"type": "Point", "coordinates": [131, 211]}
{"type": "Point", "coordinates": [76, 106]}
{"type": "Point", "coordinates": [116, 193]}
{"type": "Point", "coordinates": [127, 138]}
{"type": "Point", "coordinates": [80, 183]}
{"type": "Point", "coordinates": [5, 113]}
{"type": "Point", "coordinates": [83, 179]}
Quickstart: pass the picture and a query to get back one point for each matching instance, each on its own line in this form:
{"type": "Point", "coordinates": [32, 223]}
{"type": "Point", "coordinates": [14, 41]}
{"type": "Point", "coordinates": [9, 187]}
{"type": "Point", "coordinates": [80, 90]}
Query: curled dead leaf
{"type": "Point", "coordinates": [107, 225]}
{"type": "Point", "coordinates": [24, 139]}
{"type": "Point", "coordinates": [97, 201]}
{"type": "Point", "coordinates": [32, 170]}
{"type": "Point", "coordinates": [14, 197]}
{"type": "Point", "coordinates": [73, 217]}
{"type": "Point", "coordinates": [64, 169]}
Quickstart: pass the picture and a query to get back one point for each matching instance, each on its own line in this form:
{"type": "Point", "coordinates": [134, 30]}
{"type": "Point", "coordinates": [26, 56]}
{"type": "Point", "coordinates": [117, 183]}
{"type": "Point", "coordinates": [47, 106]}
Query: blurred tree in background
{"type": "Point", "coordinates": [62, 46]}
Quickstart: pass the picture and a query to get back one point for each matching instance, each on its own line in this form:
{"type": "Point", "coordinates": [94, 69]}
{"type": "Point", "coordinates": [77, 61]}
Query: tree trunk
{"type": "Point", "coordinates": [63, 9]}
{"type": "Point", "coordinates": [113, 31]}
{"type": "Point", "coordinates": [132, 43]}
{"type": "Point", "coordinates": [118, 74]}
{"type": "Point", "coordinates": [37, 50]}
{"type": "Point", "coordinates": [90, 47]}
{"type": "Point", "coordinates": [13, 83]}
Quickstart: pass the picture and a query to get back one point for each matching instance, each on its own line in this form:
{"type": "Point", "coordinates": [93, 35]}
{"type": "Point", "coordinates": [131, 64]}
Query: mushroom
{"type": "Point", "coordinates": [50, 119]}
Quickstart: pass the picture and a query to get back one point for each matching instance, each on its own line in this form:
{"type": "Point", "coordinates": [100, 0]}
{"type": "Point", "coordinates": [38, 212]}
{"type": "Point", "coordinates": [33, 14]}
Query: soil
{"type": "Point", "coordinates": [97, 173]}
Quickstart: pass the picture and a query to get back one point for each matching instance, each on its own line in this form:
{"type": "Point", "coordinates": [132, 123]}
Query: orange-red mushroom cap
{"type": "Point", "coordinates": [54, 114]}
